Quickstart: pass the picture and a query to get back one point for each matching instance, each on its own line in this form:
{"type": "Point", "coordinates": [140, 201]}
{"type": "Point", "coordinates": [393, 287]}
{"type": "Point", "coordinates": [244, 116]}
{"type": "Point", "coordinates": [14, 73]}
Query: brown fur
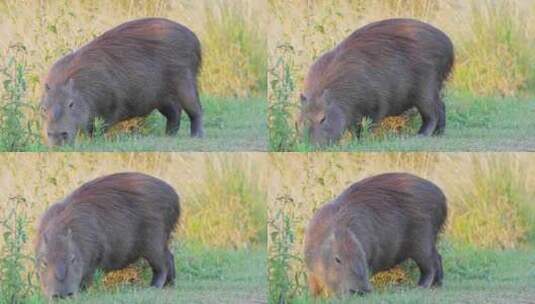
{"type": "Point", "coordinates": [380, 70]}
{"type": "Point", "coordinates": [372, 226]}
{"type": "Point", "coordinates": [107, 223]}
{"type": "Point", "coordinates": [127, 72]}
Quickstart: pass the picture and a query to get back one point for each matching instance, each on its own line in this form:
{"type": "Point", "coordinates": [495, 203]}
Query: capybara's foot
{"type": "Point", "coordinates": [159, 278]}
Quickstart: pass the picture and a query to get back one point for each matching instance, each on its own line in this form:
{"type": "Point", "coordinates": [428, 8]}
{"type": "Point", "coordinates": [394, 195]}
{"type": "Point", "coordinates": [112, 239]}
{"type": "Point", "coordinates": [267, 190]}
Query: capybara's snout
{"type": "Point", "coordinates": [59, 138]}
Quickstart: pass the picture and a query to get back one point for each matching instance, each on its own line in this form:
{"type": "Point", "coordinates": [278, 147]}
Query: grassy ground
{"type": "Point", "coordinates": [473, 124]}
{"type": "Point", "coordinates": [230, 125]}
{"type": "Point", "coordinates": [203, 276]}
{"type": "Point", "coordinates": [471, 276]}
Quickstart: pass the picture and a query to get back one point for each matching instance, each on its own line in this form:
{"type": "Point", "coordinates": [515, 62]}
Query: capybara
{"type": "Point", "coordinates": [372, 226]}
{"type": "Point", "coordinates": [127, 72]}
{"type": "Point", "coordinates": [380, 70]}
{"type": "Point", "coordinates": [107, 223]}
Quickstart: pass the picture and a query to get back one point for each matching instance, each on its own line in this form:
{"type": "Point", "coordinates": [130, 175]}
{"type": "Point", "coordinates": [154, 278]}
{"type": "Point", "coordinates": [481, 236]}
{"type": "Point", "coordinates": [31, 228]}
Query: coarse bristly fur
{"type": "Point", "coordinates": [107, 223]}
{"type": "Point", "coordinates": [129, 71]}
{"type": "Point", "coordinates": [382, 69]}
{"type": "Point", "coordinates": [373, 226]}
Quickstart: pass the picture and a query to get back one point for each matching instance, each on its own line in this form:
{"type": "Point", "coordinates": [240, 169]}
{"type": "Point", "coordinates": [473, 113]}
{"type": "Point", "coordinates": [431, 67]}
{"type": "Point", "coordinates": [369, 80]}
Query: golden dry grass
{"type": "Point", "coordinates": [489, 194]}
{"type": "Point", "coordinates": [493, 39]}
{"type": "Point", "coordinates": [231, 34]}
{"type": "Point", "coordinates": [211, 202]}
{"type": "Point", "coordinates": [222, 195]}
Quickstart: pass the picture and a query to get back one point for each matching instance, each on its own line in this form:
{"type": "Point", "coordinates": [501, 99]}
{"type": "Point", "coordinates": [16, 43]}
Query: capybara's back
{"type": "Point", "coordinates": [380, 70]}
{"type": "Point", "coordinates": [372, 226]}
{"type": "Point", "coordinates": [107, 223]}
{"type": "Point", "coordinates": [129, 71]}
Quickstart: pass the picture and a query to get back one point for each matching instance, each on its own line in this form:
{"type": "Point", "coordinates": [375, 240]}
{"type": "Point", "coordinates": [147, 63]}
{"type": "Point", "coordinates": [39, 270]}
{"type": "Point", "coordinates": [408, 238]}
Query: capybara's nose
{"type": "Point", "coordinates": [62, 296]}
{"type": "Point", "coordinates": [58, 137]}
{"type": "Point", "coordinates": [352, 291]}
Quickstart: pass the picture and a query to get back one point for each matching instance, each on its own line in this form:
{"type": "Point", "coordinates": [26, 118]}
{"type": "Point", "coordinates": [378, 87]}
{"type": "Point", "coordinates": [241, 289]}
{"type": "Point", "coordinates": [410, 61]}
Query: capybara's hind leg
{"type": "Point", "coordinates": [158, 262]}
{"type": "Point", "coordinates": [172, 111]}
{"type": "Point", "coordinates": [426, 262]}
{"type": "Point", "coordinates": [189, 99]}
{"type": "Point", "coordinates": [441, 109]}
{"type": "Point", "coordinates": [439, 272]}
{"type": "Point", "coordinates": [427, 106]}
{"type": "Point", "coordinates": [171, 275]}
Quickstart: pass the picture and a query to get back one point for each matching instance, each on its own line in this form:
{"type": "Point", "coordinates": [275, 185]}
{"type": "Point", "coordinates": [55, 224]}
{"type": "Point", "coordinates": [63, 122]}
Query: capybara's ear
{"type": "Point", "coordinates": [70, 85]}
{"type": "Point", "coordinates": [326, 96]}
{"type": "Point", "coordinates": [69, 234]}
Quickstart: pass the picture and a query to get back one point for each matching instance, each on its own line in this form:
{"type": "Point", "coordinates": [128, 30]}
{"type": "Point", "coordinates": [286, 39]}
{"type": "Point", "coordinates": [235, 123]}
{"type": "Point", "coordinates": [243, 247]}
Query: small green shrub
{"type": "Point", "coordinates": [16, 280]}
{"type": "Point", "coordinates": [282, 135]}
{"type": "Point", "coordinates": [284, 284]}
{"type": "Point", "coordinates": [17, 133]}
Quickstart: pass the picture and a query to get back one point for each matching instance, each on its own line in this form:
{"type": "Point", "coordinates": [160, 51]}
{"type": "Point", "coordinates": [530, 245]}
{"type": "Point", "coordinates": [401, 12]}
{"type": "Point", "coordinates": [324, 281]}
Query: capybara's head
{"type": "Point", "coordinates": [64, 112]}
{"type": "Point", "coordinates": [342, 265]}
{"type": "Point", "coordinates": [322, 118]}
{"type": "Point", "coordinates": [59, 264]}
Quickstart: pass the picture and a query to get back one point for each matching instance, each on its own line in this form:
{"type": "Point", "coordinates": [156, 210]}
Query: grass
{"type": "Point", "coordinates": [215, 276]}
{"type": "Point", "coordinates": [230, 125]}
{"type": "Point", "coordinates": [492, 39]}
{"type": "Point", "coordinates": [219, 246]}
{"type": "Point", "coordinates": [488, 243]}
{"type": "Point", "coordinates": [204, 275]}
{"type": "Point", "coordinates": [471, 276]}
{"type": "Point", "coordinates": [231, 34]}
{"type": "Point", "coordinates": [474, 123]}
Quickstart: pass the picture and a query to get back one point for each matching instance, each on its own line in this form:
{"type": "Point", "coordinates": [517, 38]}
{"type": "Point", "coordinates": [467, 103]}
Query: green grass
{"type": "Point", "coordinates": [474, 123]}
{"type": "Point", "coordinates": [203, 276]}
{"type": "Point", "coordinates": [471, 276]}
{"type": "Point", "coordinates": [229, 124]}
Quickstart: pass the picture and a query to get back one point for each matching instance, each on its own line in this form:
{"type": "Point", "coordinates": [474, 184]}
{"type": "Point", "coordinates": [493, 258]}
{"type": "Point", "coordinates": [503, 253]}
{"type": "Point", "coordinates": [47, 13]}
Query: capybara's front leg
{"type": "Point", "coordinates": [172, 112]}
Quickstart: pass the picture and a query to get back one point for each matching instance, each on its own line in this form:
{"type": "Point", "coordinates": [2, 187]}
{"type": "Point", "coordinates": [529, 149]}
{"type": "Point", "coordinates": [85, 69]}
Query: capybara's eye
{"type": "Point", "coordinates": [322, 120]}
{"type": "Point", "coordinates": [337, 259]}
{"type": "Point", "coordinates": [71, 104]}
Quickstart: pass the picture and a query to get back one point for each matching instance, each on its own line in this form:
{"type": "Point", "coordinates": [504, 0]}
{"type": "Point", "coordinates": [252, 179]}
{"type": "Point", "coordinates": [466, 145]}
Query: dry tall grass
{"type": "Point", "coordinates": [231, 33]}
{"type": "Point", "coordinates": [222, 195]}
{"type": "Point", "coordinates": [493, 39]}
{"type": "Point", "coordinates": [490, 195]}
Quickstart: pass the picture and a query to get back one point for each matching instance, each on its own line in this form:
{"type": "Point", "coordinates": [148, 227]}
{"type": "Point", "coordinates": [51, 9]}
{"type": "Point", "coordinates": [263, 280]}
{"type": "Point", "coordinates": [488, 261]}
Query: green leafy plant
{"type": "Point", "coordinates": [16, 280]}
{"type": "Point", "coordinates": [16, 132]}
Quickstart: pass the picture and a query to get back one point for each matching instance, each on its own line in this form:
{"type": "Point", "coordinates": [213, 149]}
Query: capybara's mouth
{"type": "Point", "coordinates": [62, 296]}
